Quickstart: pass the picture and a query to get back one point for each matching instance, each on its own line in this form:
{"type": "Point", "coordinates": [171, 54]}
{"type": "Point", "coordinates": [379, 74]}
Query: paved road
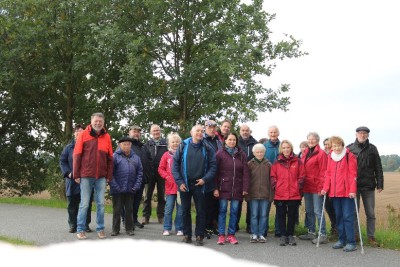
{"type": "Point", "coordinates": [48, 226]}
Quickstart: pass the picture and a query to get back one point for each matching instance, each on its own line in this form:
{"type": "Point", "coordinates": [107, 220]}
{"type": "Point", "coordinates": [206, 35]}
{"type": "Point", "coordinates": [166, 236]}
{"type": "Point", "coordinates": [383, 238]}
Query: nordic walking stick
{"type": "Point", "coordinates": [359, 228]}
{"type": "Point", "coordinates": [322, 217]}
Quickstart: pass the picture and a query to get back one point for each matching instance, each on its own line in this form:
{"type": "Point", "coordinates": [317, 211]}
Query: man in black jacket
{"type": "Point", "coordinates": [156, 146]}
{"type": "Point", "coordinates": [369, 177]}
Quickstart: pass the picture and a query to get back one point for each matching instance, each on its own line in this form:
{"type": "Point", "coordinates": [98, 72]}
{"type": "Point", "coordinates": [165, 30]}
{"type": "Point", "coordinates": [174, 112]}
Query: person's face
{"type": "Point", "coordinates": [327, 146]}
{"type": "Point", "coordinates": [97, 123]}
{"type": "Point", "coordinates": [302, 148]}
{"type": "Point", "coordinates": [311, 141]}
{"type": "Point", "coordinates": [197, 134]}
{"type": "Point", "coordinates": [174, 143]}
{"type": "Point", "coordinates": [135, 134]}
{"type": "Point", "coordinates": [225, 128]}
{"type": "Point", "coordinates": [77, 132]}
{"type": "Point", "coordinates": [231, 141]}
{"type": "Point", "coordinates": [273, 134]}
{"type": "Point", "coordinates": [286, 150]}
{"type": "Point", "coordinates": [245, 132]}
{"type": "Point", "coordinates": [362, 136]}
{"type": "Point", "coordinates": [259, 154]}
{"type": "Point", "coordinates": [210, 130]}
{"type": "Point", "coordinates": [126, 147]}
{"type": "Point", "coordinates": [155, 132]}
{"type": "Point", "coordinates": [337, 148]}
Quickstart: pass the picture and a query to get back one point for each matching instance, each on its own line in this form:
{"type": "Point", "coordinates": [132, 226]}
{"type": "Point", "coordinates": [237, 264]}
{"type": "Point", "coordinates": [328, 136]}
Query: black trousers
{"type": "Point", "coordinates": [286, 210]}
{"type": "Point", "coordinates": [212, 208]}
{"type": "Point", "coordinates": [119, 201]}
{"type": "Point", "coordinates": [331, 212]}
{"type": "Point", "coordinates": [149, 189]}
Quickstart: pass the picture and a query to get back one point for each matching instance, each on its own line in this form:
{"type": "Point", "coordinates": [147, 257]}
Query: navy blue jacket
{"type": "Point", "coordinates": [179, 166]}
{"type": "Point", "coordinates": [127, 174]}
{"type": "Point", "coordinates": [71, 187]}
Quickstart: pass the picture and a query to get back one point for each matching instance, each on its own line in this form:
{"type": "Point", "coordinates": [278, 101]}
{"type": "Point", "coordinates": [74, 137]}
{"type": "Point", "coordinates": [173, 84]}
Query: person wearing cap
{"type": "Point", "coordinates": [93, 168]}
{"type": "Point", "coordinates": [369, 177]}
{"type": "Point", "coordinates": [127, 178]}
{"type": "Point", "coordinates": [156, 146]}
{"type": "Point", "coordinates": [72, 189]}
{"type": "Point", "coordinates": [212, 204]}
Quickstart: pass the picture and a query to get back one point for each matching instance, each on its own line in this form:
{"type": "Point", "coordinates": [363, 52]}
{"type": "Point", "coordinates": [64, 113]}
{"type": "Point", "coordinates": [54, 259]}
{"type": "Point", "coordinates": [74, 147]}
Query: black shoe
{"type": "Point", "coordinates": [187, 239]}
{"type": "Point", "coordinates": [139, 225]}
{"type": "Point", "coordinates": [248, 230]}
{"type": "Point", "coordinates": [199, 241]}
{"type": "Point", "coordinates": [283, 241]}
{"type": "Point", "coordinates": [72, 230]}
{"type": "Point", "coordinates": [114, 233]}
{"type": "Point", "coordinates": [88, 230]}
{"type": "Point", "coordinates": [130, 233]}
{"type": "Point", "coordinates": [278, 235]}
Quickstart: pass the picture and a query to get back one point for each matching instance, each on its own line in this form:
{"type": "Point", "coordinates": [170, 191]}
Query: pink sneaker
{"type": "Point", "coordinates": [221, 240]}
{"type": "Point", "coordinates": [232, 239]}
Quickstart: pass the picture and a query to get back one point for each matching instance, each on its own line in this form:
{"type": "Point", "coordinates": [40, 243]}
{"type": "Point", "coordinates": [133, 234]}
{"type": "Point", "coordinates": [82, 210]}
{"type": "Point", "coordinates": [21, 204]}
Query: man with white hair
{"type": "Point", "coordinates": [194, 169]}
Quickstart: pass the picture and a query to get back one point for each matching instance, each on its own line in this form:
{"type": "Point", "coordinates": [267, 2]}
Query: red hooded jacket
{"type": "Point", "coordinates": [165, 171]}
{"type": "Point", "coordinates": [314, 167]}
{"type": "Point", "coordinates": [341, 176]}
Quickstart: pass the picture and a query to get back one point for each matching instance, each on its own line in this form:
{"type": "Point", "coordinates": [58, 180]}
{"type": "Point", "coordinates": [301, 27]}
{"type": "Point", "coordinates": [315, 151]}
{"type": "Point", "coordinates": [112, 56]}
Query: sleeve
{"type": "Point", "coordinates": [162, 168]}
{"type": "Point", "coordinates": [352, 172]}
{"type": "Point", "coordinates": [378, 170]}
{"type": "Point", "coordinates": [322, 169]}
{"type": "Point", "coordinates": [246, 174]}
{"type": "Point", "coordinates": [176, 167]}
{"type": "Point", "coordinates": [146, 159]}
{"type": "Point", "coordinates": [114, 187]}
{"type": "Point", "coordinates": [273, 177]}
{"type": "Point", "coordinates": [328, 175]}
{"type": "Point", "coordinates": [301, 176]}
{"type": "Point", "coordinates": [110, 161]}
{"type": "Point", "coordinates": [212, 166]}
{"type": "Point", "coordinates": [77, 156]}
{"type": "Point", "coordinates": [64, 163]}
{"type": "Point", "coordinates": [139, 176]}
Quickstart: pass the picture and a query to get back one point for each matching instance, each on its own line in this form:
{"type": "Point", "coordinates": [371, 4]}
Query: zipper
{"type": "Point", "coordinates": [234, 174]}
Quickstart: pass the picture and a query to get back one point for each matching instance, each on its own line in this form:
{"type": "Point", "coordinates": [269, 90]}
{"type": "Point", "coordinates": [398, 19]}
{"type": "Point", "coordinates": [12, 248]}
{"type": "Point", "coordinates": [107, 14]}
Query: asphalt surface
{"type": "Point", "coordinates": [48, 226]}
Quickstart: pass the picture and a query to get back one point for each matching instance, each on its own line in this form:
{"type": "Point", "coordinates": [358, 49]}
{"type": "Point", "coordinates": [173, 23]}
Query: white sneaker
{"type": "Point", "coordinates": [262, 239]}
{"type": "Point", "coordinates": [179, 233]}
{"type": "Point", "coordinates": [166, 232]}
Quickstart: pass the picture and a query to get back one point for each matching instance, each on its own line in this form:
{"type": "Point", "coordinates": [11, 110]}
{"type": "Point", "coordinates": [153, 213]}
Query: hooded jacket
{"type": "Point", "coordinates": [233, 177]}
{"type": "Point", "coordinates": [93, 155]}
{"type": "Point", "coordinates": [165, 171]}
{"type": "Point", "coordinates": [128, 173]}
{"type": "Point", "coordinates": [287, 177]}
{"type": "Point", "coordinates": [314, 167]}
{"type": "Point", "coordinates": [341, 176]}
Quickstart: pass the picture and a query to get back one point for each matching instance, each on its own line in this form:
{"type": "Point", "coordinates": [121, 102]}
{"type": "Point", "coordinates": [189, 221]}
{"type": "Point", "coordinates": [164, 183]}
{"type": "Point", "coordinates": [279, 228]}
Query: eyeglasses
{"type": "Point", "coordinates": [211, 124]}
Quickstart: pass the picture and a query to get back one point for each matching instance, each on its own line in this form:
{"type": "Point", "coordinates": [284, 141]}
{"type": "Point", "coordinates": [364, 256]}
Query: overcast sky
{"type": "Point", "coordinates": [350, 78]}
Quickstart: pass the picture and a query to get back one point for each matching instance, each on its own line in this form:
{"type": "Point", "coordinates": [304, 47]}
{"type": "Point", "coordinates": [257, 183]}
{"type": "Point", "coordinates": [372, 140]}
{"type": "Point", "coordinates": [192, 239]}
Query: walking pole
{"type": "Point", "coordinates": [359, 228]}
{"type": "Point", "coordinates": [322, 217]}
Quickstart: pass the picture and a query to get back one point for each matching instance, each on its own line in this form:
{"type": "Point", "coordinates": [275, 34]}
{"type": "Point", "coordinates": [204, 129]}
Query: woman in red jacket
{"type": "Point", "coordinates": [341, 186]}
{"type": "Point", "coordinates": [287, 176]}
{"type": "Point", "coordinates": [232, 183]}
{"type": "Point", "coordinates": [171, 189]}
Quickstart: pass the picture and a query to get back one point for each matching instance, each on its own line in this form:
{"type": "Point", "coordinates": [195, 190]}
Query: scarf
{"type": "Point", "coordinates": [231, 151]}
{"type": "Point", "coordinates": [338, 157]}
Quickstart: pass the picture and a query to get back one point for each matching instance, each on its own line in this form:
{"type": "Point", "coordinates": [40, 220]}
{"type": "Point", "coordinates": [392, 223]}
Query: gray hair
{"type": "Point", "coordinates": [97, 114]}
{"type": "Point", "coordinates": [258, 147]}
{"type": "Point", "coordinates": [315, 135]}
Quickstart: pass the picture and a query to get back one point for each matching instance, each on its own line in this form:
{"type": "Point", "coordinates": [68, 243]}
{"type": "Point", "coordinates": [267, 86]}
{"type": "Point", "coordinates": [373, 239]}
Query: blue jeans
{"type": "Point", "coordinates": [99, 186]}
{"type": "Point", "coordinates": [313, 204]}
{"type": "Point", "coordinates": [344, 211]}
{"type": "Point", "coordinates": [223, 208]}
{"type": "Point", "coordinates": [368, 198]}
{"type": "Point", "coordinates": [169, 209]}
{"type": "Point", "coordinates": [259, 216]}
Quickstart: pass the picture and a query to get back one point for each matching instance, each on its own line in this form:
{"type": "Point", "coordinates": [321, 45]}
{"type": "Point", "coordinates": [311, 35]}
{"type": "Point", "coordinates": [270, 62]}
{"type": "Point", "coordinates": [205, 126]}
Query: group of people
{"type": "Point", "coordinates": [216, 167]}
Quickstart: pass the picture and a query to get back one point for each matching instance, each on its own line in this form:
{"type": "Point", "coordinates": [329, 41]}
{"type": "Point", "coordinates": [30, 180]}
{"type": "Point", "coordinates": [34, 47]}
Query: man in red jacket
{"type": "Point", "coordinates": [92, 168]}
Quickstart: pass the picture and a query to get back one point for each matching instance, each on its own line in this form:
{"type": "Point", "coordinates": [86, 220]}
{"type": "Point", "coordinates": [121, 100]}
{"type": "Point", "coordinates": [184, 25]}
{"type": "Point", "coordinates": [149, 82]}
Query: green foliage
{"type": "Point", "coordinates": [390, 163]}
{"type": "Point", "coordinates": [147, 61]}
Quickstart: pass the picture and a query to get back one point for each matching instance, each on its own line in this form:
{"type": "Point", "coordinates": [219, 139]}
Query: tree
{"type": "Point", "coordinates": [200, 59]}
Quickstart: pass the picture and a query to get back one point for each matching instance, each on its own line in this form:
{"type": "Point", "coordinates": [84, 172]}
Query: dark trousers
{"type": "Point", "coordinates": [195, 192]}
{"type": "Point", "coordinates": [277, 229]}
{"type": "Point", "coordinates": [122, 200]}
{"type": "Point", "coordinates": [211, 207]}
{"type": "Point", "coordinates": [137, 198]}
{"type": "Point", "coordinates": [331, 212]}
{"type": "Point", "coordinates": [248, 214]}
{"type": "Point", "coordinates": [286, 214]}
{"type": "Point", "coordinates": [149, 189]}
{"type": "Point", "coordinates": [73, 208]}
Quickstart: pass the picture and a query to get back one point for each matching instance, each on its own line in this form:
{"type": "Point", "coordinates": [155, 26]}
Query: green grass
{"type": "Point", "coordinates": [387, 238]}
{"type": "Point", "coordinates": [16, 241]}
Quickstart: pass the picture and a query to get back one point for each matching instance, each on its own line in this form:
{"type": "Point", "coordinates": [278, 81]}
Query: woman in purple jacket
{"type": "Point", "coordinates": [232, 183]}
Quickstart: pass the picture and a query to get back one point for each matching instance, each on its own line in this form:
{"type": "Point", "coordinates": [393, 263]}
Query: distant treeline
{"type": "Point", "coordinates": [390, 163]}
